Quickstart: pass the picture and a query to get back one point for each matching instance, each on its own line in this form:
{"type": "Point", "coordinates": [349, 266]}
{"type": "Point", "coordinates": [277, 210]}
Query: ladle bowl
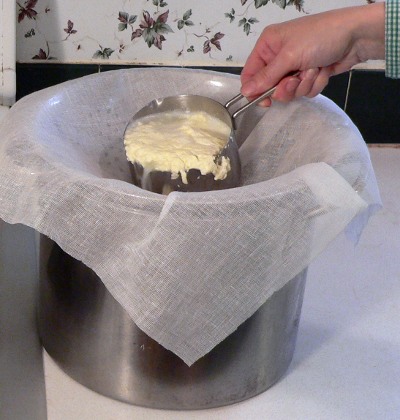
{"type": "Point", "coordinates": [164, 182]}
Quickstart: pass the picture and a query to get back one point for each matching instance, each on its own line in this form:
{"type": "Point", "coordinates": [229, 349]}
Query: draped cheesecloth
{"type": "Point", "coordinates": [189, 268]}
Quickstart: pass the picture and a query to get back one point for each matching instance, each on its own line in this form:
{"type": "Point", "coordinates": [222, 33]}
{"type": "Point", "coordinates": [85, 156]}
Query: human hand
{"type": "Point", "coordinates": [319, 46]}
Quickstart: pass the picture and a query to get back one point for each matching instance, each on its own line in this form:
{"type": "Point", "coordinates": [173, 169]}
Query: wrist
{"type": "Point", "coordinates": [369, 32]}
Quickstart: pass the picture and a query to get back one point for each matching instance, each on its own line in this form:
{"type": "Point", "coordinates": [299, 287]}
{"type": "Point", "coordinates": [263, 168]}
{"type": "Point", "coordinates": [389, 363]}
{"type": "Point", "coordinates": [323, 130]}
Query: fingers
{"type": "Point", "coordinates": [285, 91]}
{"type": "Point", "coordinates": [320, 82]}
{"type": "Point", "coordinates": [309, 83]}
{"type": "Point", "coordinates": [263, 70]}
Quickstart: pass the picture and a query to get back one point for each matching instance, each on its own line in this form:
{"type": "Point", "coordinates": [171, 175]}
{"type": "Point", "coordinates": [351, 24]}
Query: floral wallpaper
{"type": "Point", "coordinates": [201, 32]}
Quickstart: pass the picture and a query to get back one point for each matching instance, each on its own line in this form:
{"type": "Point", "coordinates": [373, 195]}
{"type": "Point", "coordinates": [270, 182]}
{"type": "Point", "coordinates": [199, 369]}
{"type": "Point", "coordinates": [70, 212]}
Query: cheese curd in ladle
{"type": "Point", "coordinates": [177, 141]}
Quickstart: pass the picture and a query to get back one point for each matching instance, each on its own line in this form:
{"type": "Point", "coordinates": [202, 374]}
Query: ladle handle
{"type": "Point", "coordinates": [256, 101]}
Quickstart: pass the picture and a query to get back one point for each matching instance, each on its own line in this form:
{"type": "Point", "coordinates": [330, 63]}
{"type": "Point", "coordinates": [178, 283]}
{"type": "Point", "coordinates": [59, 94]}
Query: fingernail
{"type": "Point", "coordinates": [265, 103]}
{"type": "Point", "coordinates": [292, 84]}
{"type": "Point", "coordinates": [249, 88]}
{"type": "Point", "coordinates": [310, 74]}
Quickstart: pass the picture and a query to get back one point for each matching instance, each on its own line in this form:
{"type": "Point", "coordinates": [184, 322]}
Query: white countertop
{"type": "Point", "coordinates": [347, 359]}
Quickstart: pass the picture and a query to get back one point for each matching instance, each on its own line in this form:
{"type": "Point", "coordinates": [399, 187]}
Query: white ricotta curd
{"type": "Point", "coordinates": [176, 142]}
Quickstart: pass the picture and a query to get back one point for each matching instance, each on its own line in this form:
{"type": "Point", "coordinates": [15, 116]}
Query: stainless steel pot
{"type": "Point", "coordinates": [94, 341]}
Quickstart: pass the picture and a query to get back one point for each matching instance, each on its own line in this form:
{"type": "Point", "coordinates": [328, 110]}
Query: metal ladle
{"type": "Point", "coordinates": [163, 182]}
